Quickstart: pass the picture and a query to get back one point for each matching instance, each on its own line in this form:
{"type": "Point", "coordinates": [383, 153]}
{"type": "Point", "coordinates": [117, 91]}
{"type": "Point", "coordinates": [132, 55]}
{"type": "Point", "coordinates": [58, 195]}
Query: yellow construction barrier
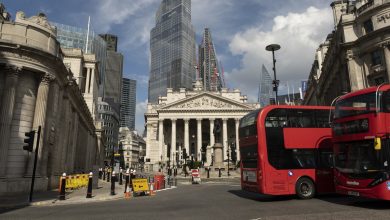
{"type": "Point", "coordinates": [76, 181]}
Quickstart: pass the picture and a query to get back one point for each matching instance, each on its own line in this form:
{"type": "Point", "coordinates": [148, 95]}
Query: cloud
{"type": "Point", "coordinates": [139, 115]}
{"type": "Point", "coordinates": [299, 34]}
{"type": "Point", "coordinates": [131, 19]}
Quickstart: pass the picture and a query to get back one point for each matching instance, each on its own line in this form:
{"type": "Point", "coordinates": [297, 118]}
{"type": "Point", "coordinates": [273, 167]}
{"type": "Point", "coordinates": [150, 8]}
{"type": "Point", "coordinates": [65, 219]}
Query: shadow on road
{"type": "Point", "coordinates": [331, 198]}
{"type": "Point", "coordinates": [359, 202]}
{"type": "Point", "coordinates": [260, 197]}
{"type": "Point", "coordinates": [5, 210]}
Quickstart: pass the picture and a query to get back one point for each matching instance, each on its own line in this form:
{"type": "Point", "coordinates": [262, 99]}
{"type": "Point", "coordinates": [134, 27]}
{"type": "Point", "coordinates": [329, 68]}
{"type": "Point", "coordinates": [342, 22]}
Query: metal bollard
{"type": "Point", "coordinates": [208, 173]}
{"type": "Point", "coordinates": [63, 186]}
{"type": "Point", "coordinates": [113, 183]}
{"type": "Point", "coordinates": [104, 174]}
{"type": "Point", "coordinates": [127, 180]}
{"type": "Point", "coordinates": [219, 172]}
{"type": "Point", "coordinates": [89, 190]}
{"type": "Point", "coordinates": [100, 173]}
{"type": "Point", "coordinates": [120, 177]}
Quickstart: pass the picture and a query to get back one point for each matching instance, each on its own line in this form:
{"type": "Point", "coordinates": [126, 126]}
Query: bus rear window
{"type": "Point", "coordinates": [249, 155]}
{"type": "Point", "coordinates": [248, 124]}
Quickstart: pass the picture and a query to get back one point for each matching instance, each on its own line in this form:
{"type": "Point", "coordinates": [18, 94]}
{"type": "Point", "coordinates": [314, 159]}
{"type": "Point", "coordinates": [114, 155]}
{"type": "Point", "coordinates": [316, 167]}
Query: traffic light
{"type": "Point", "coordinates": [29, 141]}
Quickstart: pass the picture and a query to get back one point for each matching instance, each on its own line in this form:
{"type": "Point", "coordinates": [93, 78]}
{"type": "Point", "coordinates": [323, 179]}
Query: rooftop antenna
{"type": "Point", "coordinates": [86, 43]}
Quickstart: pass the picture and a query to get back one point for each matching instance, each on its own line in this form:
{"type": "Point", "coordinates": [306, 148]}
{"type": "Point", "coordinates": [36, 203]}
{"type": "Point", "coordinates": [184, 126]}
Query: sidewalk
{"type": "Point", "coordinates": [77, 196]}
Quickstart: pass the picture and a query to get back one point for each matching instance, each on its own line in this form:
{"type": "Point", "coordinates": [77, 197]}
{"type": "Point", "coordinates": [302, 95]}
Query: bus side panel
{"type": "Point", "coordinates": [292, 136]}
{"type": "Point", "coordinates": [276, 181]}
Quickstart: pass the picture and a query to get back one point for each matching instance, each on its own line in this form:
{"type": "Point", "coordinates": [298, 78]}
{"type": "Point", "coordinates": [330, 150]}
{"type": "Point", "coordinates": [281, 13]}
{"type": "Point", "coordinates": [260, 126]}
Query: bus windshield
{"type": "Point", "coordinates": [359, 158]}
{"type": "Point", "coordinates": [357, 105]}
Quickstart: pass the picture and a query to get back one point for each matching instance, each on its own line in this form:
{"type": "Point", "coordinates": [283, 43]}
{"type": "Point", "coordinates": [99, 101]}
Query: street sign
{"type": "Point", "coordinates": [140, 185]}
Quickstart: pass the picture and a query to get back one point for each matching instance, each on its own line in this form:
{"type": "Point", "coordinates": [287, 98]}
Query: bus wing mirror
{"type": "Point", "coordinates": [378, 143]}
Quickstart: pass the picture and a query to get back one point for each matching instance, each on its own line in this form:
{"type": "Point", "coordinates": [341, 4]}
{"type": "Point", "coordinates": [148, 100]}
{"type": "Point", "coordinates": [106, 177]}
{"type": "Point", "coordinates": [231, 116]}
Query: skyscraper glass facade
{"type": "Point", "coordinates": [74, 37]}
{"type": "Point", "coordinates": [128, 103]}
{"type": "Point", "coordinates": [265, 88]}
{"type": "Point", "coordinates": [172, 47]}
{"type": "Point", "coordinates": [208, 67]}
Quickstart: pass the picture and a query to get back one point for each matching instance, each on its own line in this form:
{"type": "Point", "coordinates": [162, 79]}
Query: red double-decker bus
{"type": "Point", "coordinates": [287, 150]}
{"type": "Point", "coordinates": [361, 132]}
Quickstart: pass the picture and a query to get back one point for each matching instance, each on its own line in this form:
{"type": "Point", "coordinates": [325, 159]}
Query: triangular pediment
{"type": "Point", "coordinates": [206, 101]}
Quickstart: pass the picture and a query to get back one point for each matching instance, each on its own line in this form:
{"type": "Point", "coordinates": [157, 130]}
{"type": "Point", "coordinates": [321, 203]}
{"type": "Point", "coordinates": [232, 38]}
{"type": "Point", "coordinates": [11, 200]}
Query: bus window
{"type": "Point", "coordinates": [303, 158]}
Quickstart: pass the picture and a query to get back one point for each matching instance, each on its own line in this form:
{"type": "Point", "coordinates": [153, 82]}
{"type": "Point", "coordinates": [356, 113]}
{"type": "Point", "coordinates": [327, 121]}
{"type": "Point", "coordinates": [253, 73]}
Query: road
{"type": "Point", "coordinates": [212, 201]}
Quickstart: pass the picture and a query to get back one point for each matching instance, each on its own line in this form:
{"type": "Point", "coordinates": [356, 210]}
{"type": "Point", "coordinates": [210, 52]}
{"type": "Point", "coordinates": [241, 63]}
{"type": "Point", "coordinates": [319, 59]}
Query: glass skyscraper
{"type": "Point", "coordinates": [128, 103]}
{"type": "Point", "coordinates": [208, 67]}
{"type": "Point", "coordinates": [265, 88]}
{"type": "Point", "coordinates": [172, 48]}
{"type": "Point", "coordinates": [74, 37]}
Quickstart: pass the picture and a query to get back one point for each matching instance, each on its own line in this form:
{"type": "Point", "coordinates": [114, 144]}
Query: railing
{"type": "Point", "coordinates": [366, 6]}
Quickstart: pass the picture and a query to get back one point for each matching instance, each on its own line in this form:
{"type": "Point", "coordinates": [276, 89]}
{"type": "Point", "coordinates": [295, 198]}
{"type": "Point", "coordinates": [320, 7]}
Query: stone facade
{"type": "Point", "coordinates": [133, 147]}
{"type": "Point", "coordinates": [37, 89]}
{"type": "Point", "coordinates": [357, 51]}
{"type": "Point", "coordinates": [186, 119]}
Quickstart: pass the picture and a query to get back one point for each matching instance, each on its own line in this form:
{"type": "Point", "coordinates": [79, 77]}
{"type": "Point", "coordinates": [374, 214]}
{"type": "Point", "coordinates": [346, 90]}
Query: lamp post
{"type": "Point", "coordinates": [275, 82]}
{"type": "Point", "coordinates": [228, 157]}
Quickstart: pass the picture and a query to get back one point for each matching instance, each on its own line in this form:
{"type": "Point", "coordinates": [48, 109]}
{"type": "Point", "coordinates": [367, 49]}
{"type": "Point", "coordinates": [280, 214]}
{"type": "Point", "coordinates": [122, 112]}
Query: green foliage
{"type": "Point", "coordinates": [194, 164]}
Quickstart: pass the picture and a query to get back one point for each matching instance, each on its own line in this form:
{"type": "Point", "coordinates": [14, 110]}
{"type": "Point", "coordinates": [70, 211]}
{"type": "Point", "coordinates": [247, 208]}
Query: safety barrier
{"type": "Point", "coordinates": [76, 181]}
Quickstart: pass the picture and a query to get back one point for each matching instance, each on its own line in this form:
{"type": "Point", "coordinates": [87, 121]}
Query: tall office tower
{"type": "Point", "coordinates": [128, 103]}
{"type": "Point", "coordinates": [111, 40]}
{"type": "Point", "coordinates": [208, 67]}
{"type": "Point", "coordinates": [86, 40]}
{"type": "Point", "coordinates": [265, 88]}
{"type": "Point", "coordinates": [112, 85]}
{"type": "Point", "coordinates": [172, 48]}
{"type": "Point", "coordinates": [113, 73]}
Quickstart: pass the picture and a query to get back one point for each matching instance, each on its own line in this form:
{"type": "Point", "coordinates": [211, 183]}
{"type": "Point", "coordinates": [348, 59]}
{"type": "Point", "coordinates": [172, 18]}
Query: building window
{"type": "Point", "coordinates": [379, 80]}
{"type": "Point", "coordinates": [376, 57]}
{"type": "Point", "coordinates": [368, 26]}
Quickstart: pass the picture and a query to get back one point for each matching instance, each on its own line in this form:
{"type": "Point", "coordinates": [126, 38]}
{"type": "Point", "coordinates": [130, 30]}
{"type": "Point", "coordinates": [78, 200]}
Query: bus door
{"type": "Point", "coordinates": [324, 172]}
{"type": "Point", "coordinates": [277, 174]}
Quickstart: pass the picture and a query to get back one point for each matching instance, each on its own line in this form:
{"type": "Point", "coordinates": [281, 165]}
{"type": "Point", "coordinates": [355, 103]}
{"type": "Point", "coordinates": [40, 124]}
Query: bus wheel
{"type": "Point", "coordinates": [305, 188]}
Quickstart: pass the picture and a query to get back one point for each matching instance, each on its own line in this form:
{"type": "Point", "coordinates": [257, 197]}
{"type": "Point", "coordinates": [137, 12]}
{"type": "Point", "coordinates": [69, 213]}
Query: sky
{"type": "Point", "coordinates": [241, 29]}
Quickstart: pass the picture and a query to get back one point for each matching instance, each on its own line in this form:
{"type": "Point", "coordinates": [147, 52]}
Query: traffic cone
{"type": "Point", "coordinates": [151, 190]}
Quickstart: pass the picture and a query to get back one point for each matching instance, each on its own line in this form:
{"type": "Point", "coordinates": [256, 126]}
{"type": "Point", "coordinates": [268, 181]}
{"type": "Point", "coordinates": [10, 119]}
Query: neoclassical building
{"type": "Point", "coordinates": [186, 120]}
{"type": "Point", "coordinates": [355, 55]}
{"type": "Point", "coordinates": [37, 89]}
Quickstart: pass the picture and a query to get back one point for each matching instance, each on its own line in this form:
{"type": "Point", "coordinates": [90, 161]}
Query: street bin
{"type": "Point", "coordinates": [159, 180]}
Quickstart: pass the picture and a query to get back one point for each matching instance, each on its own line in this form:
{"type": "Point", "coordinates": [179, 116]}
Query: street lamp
{"type": "Point", "coordinates": [228, 159]}
{"type": "Point", "coordinates": [275, 82]}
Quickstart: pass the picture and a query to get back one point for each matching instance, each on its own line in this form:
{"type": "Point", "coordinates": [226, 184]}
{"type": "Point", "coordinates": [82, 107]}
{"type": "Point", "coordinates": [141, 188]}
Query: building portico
{"type": "Point", "coordinates": [187, 121]}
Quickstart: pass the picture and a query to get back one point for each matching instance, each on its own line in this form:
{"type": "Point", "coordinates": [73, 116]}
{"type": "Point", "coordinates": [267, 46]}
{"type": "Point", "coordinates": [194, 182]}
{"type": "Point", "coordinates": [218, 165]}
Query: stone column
{"type": "Point", "coordinates": [92, 81]}
{"type": "Point", "coordinates": [199, 137]}
{"type": "Point", "coordinates": [40, 120]}
{"type": "Point", "coordinates": [212, 138]}
{"type": "Point", "coordinates": [53, 131]}
{"type": "Point", "coordinates": [237, 120]}
{"type": "Point", "coordinates": [386, 51]}
{"type": "Point", "coordinates": [6, 113]}
{"type": "Point", "coordinates": [73, 143]}
{"type": "Point", "coordinates": [173, 140]}
{"type": "Point", "coordinates": [186, 136]}
{"type": "Point", "coordinates": [65, 130]}
{"type": "Point", "coordinates": [88, 80]}
{"type": "Point", "coordinates": [356, 80]}
{"type": "Point", "coordinates": [224, 140]}
{"type": "Point", "coordinates": [160, 138]}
